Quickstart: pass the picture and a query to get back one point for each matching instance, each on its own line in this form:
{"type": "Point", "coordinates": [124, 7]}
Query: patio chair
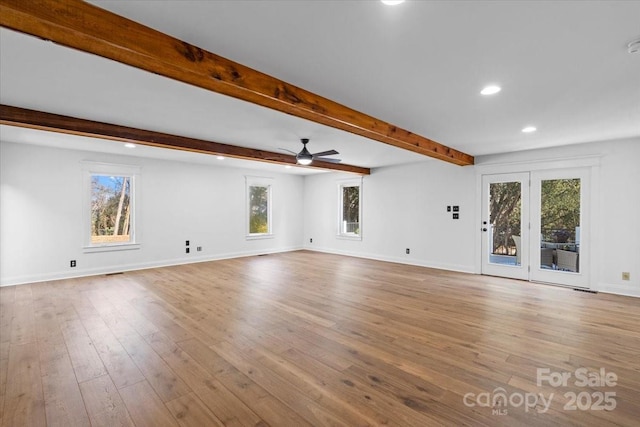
{"type": "Point", "coordinates": [567, 260]}
{"type": "Point", "coordinates": [546, 257]}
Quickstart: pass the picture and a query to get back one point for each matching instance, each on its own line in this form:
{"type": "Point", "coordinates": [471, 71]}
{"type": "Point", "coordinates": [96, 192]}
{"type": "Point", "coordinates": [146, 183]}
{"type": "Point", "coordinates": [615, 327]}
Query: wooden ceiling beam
{"type": "Point", "coordinates": [88, 28]}
{"type": "Point", "coordinates": [15, 116]}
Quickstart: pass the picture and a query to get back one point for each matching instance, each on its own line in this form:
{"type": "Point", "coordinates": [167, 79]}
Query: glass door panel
{"type": "Point", "coordinates": [505, 207]}
{"type": "Point", "coordinates": [505, 211]}
{"type": "Point", "coordinates": [560, 224]}
{"type": "Point", "coordinates": [558, 203]}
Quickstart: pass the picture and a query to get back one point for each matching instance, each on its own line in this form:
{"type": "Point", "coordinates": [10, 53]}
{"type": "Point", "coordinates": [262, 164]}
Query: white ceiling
{"type": "Point", "coordinates": [563, 67]}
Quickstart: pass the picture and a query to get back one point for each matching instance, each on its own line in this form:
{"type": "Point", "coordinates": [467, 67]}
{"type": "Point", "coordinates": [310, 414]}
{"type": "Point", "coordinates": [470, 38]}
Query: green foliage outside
{"type": "Point", "coordinates": [560, 211]}
{"type": "Point", "coordinates": [258, 210]}
{"type": "Point", "coordinates": [505, 204]}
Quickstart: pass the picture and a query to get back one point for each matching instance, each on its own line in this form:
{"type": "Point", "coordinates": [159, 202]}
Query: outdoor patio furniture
{"type": "Point", "coordinates": [546, 257]}
{"type": "Point", "coordinates": [567, 260]}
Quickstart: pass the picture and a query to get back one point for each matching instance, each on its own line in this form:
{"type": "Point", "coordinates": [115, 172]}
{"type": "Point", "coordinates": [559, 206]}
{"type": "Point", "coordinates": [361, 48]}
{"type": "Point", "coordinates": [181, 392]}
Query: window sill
{"type": "Point", "coordinates": [349, 236]}
{"type": "Point", "coordinates": [111, 248]}
{"type": "Point", "coordinates": [260, 236]}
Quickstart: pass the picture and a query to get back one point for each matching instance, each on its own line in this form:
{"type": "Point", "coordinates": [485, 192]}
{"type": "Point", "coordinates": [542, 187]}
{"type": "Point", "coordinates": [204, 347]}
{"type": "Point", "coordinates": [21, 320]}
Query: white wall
{"type": "Point", "coordinates": [41, 214]}
{"type": "Point", "coordinates": [403, 207]}
{"type": "Point", "coordinates": [616, 204]}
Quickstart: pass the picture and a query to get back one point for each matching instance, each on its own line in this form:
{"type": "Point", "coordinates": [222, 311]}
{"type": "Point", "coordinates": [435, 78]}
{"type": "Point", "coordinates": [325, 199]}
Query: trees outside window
{"type": "Point", "coordinates": [258, 210]}
{"type": "Point", "coordinates": [505, 203]}
{"type": "Point", "coordinates": [559, 214]}
{"type": "Point", "coordinates": [350, 209]}
{"type": "Point", "coordinates": [110, 209]}
{"type": "Point", "coordinates": [259, 207]}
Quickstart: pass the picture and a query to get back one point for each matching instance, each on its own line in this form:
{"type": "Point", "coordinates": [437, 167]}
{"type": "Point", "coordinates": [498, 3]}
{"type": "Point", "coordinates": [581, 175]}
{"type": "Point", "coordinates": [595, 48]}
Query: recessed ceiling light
{"type": "Point", "coordinates": [392, 2]}
{"type": "Point", "coordinates": [491, 90]}
{"type": "Point", "coordinates": [130, 145]}
{"type": "Point", "coordinates": [220, 157]}
{"type": "Point", "coordinates": [529, 129]}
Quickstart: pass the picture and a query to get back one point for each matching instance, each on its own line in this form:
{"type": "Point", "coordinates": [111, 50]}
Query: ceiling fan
{"type": "Point", "coordinates": [304, 157]}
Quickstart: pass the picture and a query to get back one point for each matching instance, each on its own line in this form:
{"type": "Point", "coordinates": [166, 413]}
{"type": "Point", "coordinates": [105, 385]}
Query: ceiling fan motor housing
{"type": "Point", "coordinates": [304, 157]}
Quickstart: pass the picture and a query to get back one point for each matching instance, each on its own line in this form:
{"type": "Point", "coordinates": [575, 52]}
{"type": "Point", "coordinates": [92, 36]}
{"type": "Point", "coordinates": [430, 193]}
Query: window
{"type": "Point", "coordinates": [350, 224]}
{"type": "Point", "coordinates": [109, 207]}
{"type": "Point", "coordinates": [258, 207]}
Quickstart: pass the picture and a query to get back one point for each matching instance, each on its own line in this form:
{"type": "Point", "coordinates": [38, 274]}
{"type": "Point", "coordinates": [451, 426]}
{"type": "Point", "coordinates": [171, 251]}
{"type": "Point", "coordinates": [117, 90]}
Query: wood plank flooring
{"type": "Point", "coordinates": [311, 339]}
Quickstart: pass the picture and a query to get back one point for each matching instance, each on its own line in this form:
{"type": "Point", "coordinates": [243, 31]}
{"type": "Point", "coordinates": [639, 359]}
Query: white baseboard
{"type": "Point", "coordinates": [617, 289]}
{"type": "Point", "coordinates": [626, 290]}
{"type": "Point", "coordinates": [408, 261]}
{"type": "Point", "coordinates": [46, 277]}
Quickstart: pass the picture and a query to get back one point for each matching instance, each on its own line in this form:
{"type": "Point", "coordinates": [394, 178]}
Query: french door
{"type": "Point", "coordinates": [535, 226]}
{"type": "Point", "coordinates": [505, 222]}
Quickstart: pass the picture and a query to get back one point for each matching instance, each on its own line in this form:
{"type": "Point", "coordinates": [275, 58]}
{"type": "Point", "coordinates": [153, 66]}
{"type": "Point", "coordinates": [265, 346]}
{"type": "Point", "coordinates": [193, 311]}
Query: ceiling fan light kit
{"type": "Point", "coordinates": [304, 157]}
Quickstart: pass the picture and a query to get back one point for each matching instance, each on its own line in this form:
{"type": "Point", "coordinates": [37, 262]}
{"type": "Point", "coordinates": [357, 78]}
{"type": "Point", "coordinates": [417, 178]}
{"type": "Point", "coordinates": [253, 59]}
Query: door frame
{"type": "Point", "coordinates": [517, 162]}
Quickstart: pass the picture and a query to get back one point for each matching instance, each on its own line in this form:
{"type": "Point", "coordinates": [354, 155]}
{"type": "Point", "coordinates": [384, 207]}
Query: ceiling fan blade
{"type": "Point", "coordinates": [326, 159]}
{"type": "Point", "coordinates": [325, 153]}
{"type": "Point", "coordinates": [292, 152]}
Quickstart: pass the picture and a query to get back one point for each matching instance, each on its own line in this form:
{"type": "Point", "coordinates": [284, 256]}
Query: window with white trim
{"type": "Point", "coordinates": [109, 207]}
{"type": "Point", "coordinates": [259, 194]}
{"type": "Point", "coordinates": [350, 209]}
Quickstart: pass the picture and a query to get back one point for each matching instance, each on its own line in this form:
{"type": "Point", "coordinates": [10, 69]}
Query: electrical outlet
{"type": "Point", "coordinates": [187, 250]}
{"type": "Point", "coordinates": [199, 248]}
{"type": "Point", "coordinates": [456, 216]}
{"type": "Point", "coordinates": [408, 251]}
{"type": "Point", "coordinates": [72, 263]}
{"type": "Point", "coordinates": [186, 243]}
{"type": "Point", "coordinates": [448, 208]}
{"type": "Point", "coordinates": [311, 240]}
{"type": "Point", "coordinates": [626, 275]}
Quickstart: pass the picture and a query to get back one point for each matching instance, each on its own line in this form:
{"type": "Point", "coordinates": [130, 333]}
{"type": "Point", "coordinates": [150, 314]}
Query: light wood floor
{"type": "Point", "coordinates": [305, 338]}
